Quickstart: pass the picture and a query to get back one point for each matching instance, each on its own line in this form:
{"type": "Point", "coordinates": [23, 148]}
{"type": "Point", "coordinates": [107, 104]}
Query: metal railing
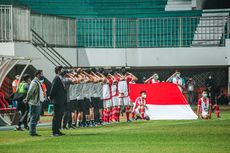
{"type": "Point", "coordinates": [47, 51]}
{"type": "Point", "coordinates": [21, 24]}
{"type": "Point", "coordinates": [56, 31]}
{"type": "Point", "coordinates": [228, 29]}
{"type": "Point", "coordinates": [16, 24]}
{"type": "Point", "coordinates": [151, 32]}
{"type": "Point", "coordinates": [6, 23]}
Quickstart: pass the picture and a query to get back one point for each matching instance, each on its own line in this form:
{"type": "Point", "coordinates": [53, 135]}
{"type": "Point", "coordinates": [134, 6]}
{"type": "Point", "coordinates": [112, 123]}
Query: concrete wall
{"type": "Point", "coordinates": [101, 57]}
{"type": "Point", "coordinates": [7, 49]}
{"type": "Point", "coordinates": [28, 50]}
{"type": "Point", "coordinates": [155, 57]}
{"type": "Point", "coordinates": [134, 57]}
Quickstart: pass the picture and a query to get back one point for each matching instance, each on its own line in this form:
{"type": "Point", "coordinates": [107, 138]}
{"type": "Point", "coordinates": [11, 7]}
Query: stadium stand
{"type": "Point", "coordinates": [175, 5]}
{"type": "Point", "coordinates": [134, 23]}
{"type": "Point", "coordinates": [97, 8]}
{"type": "Point", "coordinates": [210, 29]}
{"type": "Point", "coordinates": [161, 30]}
{"type": "Point", "coordinates": [114, 24]}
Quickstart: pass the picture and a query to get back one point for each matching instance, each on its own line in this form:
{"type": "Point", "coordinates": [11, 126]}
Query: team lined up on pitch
{"type": "Point", "coordinates": [90, 98]}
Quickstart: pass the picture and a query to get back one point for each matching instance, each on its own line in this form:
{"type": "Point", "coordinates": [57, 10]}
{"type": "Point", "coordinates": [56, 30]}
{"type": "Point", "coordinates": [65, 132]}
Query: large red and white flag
{"type": "Point", "coordinates": [164, 101]}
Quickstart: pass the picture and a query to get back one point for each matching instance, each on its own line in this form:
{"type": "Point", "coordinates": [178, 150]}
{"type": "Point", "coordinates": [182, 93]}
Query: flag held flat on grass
{"type": "Point", "coordinates": [164, 101]}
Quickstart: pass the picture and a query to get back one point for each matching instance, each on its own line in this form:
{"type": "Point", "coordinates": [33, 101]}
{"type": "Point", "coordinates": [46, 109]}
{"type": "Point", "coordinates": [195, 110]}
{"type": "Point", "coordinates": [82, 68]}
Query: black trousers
{"type": "Point", "coordinates": [57, 118]}
{"type": "Point", "coordinates": [67, 116]}
{"type": "Point", "coordinates": [23, 110]}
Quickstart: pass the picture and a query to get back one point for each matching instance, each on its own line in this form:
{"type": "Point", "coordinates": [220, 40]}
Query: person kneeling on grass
{"type": "Point", "coordinates": [139, 108]}
{"type": "Point", "coordinates": [204, 106]}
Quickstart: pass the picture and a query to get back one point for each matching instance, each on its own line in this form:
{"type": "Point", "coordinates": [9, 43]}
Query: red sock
{"type": "Point", "coordinates": [217, 111]}
{"type": "Point", "coordinates": [104, 116]}
{"type": "Point", "coordinates": [143, 114]}
{"type": "Point", "coordinates": [111, 114]}
{"type": "Point", "coordinates": [127, 116]}
{"type": "Point", "coordinates": [133, 115]}
{"type": "Point", "coordinates": [108, 115]}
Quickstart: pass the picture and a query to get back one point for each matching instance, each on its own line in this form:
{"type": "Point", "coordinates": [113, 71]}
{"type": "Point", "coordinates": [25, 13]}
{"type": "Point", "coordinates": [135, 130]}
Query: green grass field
{"type": "Point", "coordinates": [193, 136]}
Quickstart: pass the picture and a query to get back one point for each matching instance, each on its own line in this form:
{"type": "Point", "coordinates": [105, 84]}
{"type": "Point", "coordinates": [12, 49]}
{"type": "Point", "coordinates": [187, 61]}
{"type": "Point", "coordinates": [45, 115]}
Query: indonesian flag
{"type": "Point", "coordinates": [164, 101]}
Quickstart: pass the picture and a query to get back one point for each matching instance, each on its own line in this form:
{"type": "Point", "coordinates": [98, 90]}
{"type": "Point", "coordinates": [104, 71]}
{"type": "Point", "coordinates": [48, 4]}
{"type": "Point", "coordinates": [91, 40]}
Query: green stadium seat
{"type": "Point", "coordinates": [98, 34]}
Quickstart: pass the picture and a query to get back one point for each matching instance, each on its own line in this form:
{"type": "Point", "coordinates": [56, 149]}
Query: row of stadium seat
{"type": "Point", "coordinates": [151, 32]}
{"type": "Point", "coordinates": [147, 32]}
{"type": "Point", "coordinates": [95, 8]}
{"type": "Point", "coordinates": [98, 34]}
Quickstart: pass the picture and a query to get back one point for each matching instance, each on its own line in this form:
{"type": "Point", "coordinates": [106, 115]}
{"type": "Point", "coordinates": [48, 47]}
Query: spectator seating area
{"type": "Point", "coordinates": [138, 23]}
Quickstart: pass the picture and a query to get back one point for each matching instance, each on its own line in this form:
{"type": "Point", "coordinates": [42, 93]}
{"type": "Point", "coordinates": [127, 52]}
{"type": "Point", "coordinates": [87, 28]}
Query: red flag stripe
{"type": "Point", "coordinates": [158, 93]}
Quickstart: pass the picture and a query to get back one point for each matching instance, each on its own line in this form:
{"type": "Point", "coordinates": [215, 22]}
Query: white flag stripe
{"type": "Point", "coordinates": [170, 112]}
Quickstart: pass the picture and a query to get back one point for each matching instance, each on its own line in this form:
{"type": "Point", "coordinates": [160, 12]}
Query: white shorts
{"type": "Point", "coordinates": [124, 101]}
{"type": "Point", "coordinates": [107, 103]}
{"type": "Point", "coordinates": [138, 113]}
{"type": "Point", "coordinates": [115, 101]}
{"type": "Point", "coordinates": [204, 114]}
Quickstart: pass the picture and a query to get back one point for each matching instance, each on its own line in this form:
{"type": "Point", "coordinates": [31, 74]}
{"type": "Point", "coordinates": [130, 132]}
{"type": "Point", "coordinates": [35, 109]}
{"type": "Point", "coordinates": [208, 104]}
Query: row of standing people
{"type": "Point", "coordinates": [78, 95]}
{"type": "Point", "coordinates": [86, 92]}
{"type": "Point", "coordinates": [28, 97]}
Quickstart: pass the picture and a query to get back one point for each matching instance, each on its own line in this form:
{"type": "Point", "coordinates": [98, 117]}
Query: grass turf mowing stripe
{"type": "Point", "coordinates": [211, 136]}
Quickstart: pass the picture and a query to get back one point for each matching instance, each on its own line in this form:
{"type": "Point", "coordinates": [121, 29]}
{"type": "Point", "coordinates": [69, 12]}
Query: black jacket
{"type": "Point", "coordinates": [58, 92]}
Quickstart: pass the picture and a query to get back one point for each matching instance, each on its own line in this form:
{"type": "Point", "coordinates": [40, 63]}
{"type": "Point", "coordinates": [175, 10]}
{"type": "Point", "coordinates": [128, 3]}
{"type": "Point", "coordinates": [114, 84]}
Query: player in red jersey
{"type": "Point", "coordinates": [140, 106]}
{"type": "Point", "coordinates": [107, 98]}
{"type": "Point", "coordinates": [153, 79]}
{"type": "Point", "coordinates": [115, 99]}
{"type": "Point", "coordinates": [123, 89]}
{"type": "Point", "coordinates": [204, 106]}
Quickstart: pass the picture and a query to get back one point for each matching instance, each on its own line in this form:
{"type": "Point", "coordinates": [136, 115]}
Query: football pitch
{"type": "Point", "coordinates": [185, 136]}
